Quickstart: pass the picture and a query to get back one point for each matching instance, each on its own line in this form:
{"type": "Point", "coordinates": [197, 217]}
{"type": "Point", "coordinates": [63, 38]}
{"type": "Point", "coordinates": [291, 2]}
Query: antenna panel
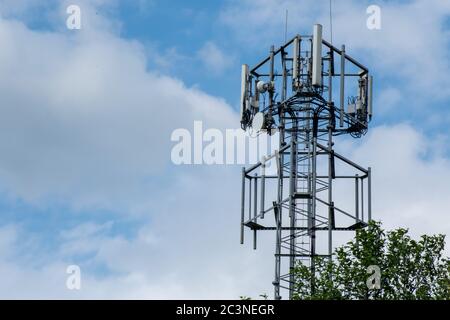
{"type": "Point", "coordinates": [370, 97]}
{"type": "Point", "coordinates": [317, 56]}
{"type": "Point", "coordinates": [295, 62]}
{"type": "Point", "coordinates": [244, 89]}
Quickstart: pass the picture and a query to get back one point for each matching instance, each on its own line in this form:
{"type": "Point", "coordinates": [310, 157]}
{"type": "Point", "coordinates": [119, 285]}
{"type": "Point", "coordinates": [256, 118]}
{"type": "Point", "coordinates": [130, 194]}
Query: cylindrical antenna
{"type": "Point", "coordinates": [255, 208]}
{"type": "Point", "coordinates": [370, 98]}
{"type": "Point", "coordinates": [317, 56]}
{"type": "Point", "coordinates": [271, 73]}
{"type": "Point", "coordinates": [242, 205]}
{"type": "Point", "coordinates": [263, 187]}
{"type": "Point", "coordinates": [255, 100]}
{"type": "Point", "coordinates": [357, 198]}
{"type": "Point", "coordinates": [244, 89]}
{"type": "Point", "coordinates": [295, 64]}
{"type": "Point", "coordinates": [369, 194]}
{"type": "Point", "coordinates": [341, 113]}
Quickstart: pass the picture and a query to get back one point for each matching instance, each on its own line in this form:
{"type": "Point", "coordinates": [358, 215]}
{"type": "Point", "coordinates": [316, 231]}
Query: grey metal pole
{"type": "Point", "coordinates": [369, 194]}
{"type": "Point", "coordinates": [283, 62]}
{"type": "Point", "coordinates": [242, 205]}
{"type": "Point", "coordinates": [356, 198]}
{"type": "Point", "coordinates": [279, 211]}
{"type": "Point", "coordinates": [362, 199]}
{"type": "Point", "coordinates": [292, 177]}
{"type": "Point", "coordinates": [250, 198]}
{"type": "Point", "coordinates": [255, 208]}
{"type": "Point", "coordinates": [292, 216]}
{"type": "Point", "coordinates": [276, 282]}
{"type": "Point", "coordinates": [310, 170]}
{"type": "Point", "coordinates": [271, 72]}
{"type": "Point", "coordinates": [263, 188]}
{"type": "Point", "coordinates": [342, 78]}
{"type": "Point", "coordinates": [313, 212]}
{"type": "Point", "coordinates": [330, 158]}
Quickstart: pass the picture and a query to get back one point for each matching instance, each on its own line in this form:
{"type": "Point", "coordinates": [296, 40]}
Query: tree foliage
{"type": "Point", "coordinates": [409, 269]}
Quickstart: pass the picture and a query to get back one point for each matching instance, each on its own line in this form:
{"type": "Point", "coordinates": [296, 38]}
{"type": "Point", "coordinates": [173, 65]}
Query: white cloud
{"type": "Point", "coordinates": [190, 250]}
{"type": "Point", "coordinates": [84, 121]}
{"type": "Point", "coordinates": [19, 7]}
{"type": "Point", "coordinates": [214, 59]}
{"type": "Point", "coordinates": [85, 124]}
{"type": "Point", "coordinates": [387, 101]}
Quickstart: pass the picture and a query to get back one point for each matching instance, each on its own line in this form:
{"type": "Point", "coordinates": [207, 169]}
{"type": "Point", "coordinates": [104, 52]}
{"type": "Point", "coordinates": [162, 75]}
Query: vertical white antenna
{"type": "Point", "coordinates": [244, 89]}
{"type": "Point", "coordinates": [295, 64]}
{"type": "Point", "coordinates": [370, 98]}
{"type": "Point", "coordinates": [342, 90]}
{"type": "Point", "coordinates": [317, 56]}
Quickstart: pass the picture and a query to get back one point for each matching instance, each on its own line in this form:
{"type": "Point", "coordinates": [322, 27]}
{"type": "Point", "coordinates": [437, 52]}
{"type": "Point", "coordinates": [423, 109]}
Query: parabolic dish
{"type": "Point", "coordinates": [258, 121]}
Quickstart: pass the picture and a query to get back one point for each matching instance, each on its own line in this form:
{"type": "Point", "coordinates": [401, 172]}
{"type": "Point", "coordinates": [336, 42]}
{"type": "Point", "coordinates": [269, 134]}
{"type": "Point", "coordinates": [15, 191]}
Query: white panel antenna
{"type": "Point", "coordinates": [244, 89]}
{"type": "Point", "coordinates": [370, 97]}
{"type": "Point", "coordinates": [295, 62]}
{"type": "Point", "coordinates": [317, 56]}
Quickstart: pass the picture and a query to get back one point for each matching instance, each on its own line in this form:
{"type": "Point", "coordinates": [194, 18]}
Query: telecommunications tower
{"type": "Point", "coordinates": [290, 93]}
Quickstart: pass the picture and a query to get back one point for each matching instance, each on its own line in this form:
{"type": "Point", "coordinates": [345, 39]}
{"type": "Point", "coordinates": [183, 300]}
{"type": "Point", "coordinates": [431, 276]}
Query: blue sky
{"type": "Point", "coordinates": [86, 176]}
{"type": "Point", "coordinates": [186, 26]}
{"type": "Point", "coordinates": [179, 29]}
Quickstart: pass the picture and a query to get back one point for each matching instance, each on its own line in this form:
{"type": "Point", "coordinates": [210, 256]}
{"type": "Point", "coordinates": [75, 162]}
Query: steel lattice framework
{"type": "Point", "coordinates": [293, 96]}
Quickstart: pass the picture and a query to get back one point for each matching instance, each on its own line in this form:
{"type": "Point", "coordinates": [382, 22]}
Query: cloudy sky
{"type": "Point", "coordinates": [86, 118]}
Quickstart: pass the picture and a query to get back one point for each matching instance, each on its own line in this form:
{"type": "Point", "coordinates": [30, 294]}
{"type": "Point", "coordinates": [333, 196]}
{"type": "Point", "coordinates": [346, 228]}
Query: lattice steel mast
{"type": "Point", "coordinates": [301, 109]}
